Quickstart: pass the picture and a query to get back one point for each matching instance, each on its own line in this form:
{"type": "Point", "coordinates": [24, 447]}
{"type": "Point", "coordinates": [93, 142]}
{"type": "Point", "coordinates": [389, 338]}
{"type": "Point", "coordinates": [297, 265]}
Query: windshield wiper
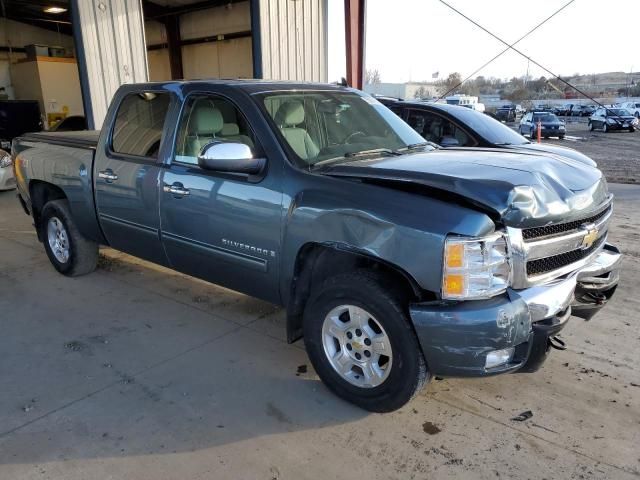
{"type": "Point", "coordinates": [362, 153]}
{"type": "Point", "coordinates": [426, 143]}
{"type": "Point", "coordinates": [373, 151]}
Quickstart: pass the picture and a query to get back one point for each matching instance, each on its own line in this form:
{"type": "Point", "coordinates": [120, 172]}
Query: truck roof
{"type": "Point", "coordinates": [249, 84]}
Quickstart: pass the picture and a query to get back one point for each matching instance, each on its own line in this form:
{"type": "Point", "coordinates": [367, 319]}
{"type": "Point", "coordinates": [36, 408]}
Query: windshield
{"type": "Point", "coordinates": [545, 118]}
{"type": "Point", "coordinates": [319, 126]}
{"type": "Point", "coordinates": [621, 112]}
{"type": "Point", "coordinates": [489, 128]}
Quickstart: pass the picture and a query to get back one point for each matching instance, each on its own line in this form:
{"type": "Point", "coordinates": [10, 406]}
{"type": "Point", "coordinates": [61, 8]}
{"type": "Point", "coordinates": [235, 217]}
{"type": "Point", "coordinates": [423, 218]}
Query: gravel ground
{"type": "Point", "coordinates": [617, 152]}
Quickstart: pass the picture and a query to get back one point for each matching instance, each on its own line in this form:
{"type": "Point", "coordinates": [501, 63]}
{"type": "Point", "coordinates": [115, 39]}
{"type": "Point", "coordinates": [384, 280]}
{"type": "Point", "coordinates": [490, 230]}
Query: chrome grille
{"type": "Point", "coordinates": [558, 228]}
{"type": "Point", "coordinates": [555, 262]}
{"type": "Point", "coordinates": [540, 254]}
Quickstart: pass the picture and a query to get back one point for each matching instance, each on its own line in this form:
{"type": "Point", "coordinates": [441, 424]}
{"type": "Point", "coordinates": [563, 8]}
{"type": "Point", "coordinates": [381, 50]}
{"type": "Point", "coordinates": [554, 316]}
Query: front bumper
{"type": "Point", "coordinates": [457, 336]}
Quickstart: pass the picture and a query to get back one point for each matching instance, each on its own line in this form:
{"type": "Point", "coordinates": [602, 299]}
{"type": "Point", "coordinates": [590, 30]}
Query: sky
{"type": "Point", "coordinates": [409, 40]}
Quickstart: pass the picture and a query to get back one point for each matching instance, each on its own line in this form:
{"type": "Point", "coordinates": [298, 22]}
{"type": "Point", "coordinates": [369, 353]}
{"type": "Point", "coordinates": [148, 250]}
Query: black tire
{"type": "Point", "coordinates": [532, 134]}
{"type": "Point", "coordinates": [590, 126]}
{"type": "Point", "coordinates": [605, 128]}
{"type": "Point", "coordinates": [377, 296]}
{"type": "Point", "coordinates": [83, 253]}
{"type": "Point", "coordinates": [632, 129]}
{"type": "Point", "coordinates": [561, 137]}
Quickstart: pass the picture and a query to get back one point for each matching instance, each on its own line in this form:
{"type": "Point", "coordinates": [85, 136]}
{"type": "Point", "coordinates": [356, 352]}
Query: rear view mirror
{"type": "Point", "coordinates": [230, 157]}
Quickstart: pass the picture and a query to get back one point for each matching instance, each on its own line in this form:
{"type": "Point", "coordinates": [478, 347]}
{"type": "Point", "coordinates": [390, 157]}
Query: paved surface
{"type": "Point", "coordinates": [135, 372]}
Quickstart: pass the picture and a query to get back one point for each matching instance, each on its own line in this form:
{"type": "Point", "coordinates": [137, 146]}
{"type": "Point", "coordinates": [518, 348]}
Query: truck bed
{"type": "Point", "coordinates": [81, 139]}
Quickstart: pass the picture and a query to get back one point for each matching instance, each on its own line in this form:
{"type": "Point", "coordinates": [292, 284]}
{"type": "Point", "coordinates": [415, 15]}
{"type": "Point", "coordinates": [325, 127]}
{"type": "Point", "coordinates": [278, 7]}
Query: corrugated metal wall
{"type": "Point", "coordinates": [113, 49]}
{"type": "Point", "coordinates": [293, 35]}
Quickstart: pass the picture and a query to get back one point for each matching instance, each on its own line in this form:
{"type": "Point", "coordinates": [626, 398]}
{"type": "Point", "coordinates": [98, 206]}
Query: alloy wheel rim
{"type": "Point", "coordinates": [58, 239]}
{"type": "Point", "coordinates": [357, 346]}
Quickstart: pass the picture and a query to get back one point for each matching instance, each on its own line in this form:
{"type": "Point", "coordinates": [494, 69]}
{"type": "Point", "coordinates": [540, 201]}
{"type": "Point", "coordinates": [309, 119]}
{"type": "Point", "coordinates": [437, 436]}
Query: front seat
{"type": "Point", "coordinates": [289, 116]}
{"type": "Point", "coordinates": [231, 132]}
{"type": "Point", "coordinates": [205, 124]}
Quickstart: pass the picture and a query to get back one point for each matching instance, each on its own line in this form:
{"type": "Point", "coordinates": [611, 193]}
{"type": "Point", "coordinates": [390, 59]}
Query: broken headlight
{"type": "Point", "coordinates": [475, 268]}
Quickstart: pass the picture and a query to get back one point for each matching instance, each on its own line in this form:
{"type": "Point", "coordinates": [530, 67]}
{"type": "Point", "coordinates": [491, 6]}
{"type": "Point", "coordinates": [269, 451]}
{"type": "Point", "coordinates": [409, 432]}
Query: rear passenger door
{"type": "Point", "coordinates": [126, 174]}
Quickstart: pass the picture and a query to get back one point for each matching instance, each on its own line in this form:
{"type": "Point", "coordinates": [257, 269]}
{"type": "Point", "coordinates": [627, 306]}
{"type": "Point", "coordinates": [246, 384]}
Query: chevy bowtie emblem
{"type": "Point", "coordinates": [590, 236]}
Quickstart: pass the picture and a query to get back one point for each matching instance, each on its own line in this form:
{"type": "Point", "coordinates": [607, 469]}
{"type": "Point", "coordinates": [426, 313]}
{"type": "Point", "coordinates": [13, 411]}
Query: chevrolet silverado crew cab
{"type": "Point", "coordinates": [394, 259]}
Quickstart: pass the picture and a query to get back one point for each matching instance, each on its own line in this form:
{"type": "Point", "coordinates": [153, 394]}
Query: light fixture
{"type": "Point", "coordinates": [55, 10]}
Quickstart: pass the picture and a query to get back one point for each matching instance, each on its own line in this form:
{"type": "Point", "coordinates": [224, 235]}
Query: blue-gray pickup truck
{"type": "Point", "coordinates": [395, 260]}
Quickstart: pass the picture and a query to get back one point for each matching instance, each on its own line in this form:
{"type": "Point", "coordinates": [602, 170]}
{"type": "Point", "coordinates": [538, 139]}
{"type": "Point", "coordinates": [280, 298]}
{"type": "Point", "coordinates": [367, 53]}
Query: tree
{"type": "Point", "coordinates": [451, 83]}
{"type": "Point", "coordinates": [372, 77]}
{"type": "Point", "coordinates": [421, 93]}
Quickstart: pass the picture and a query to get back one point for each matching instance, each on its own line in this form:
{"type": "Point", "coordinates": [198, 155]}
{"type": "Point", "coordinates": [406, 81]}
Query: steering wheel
{"type": "Point", "coordinates": [354, 134]}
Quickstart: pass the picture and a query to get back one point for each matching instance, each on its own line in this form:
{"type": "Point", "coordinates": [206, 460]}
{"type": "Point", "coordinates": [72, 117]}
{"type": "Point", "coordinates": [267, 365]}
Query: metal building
{"type": "Point", "coordinates": [276, 39]}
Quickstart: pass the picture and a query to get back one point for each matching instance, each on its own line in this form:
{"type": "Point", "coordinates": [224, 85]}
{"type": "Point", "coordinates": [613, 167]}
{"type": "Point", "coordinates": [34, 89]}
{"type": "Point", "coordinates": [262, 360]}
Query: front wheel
{"type": "Point", "coordinates": [591, 126]}
{"type": "Point", "coordinates": [362, 344]}
{"type": "Point", "coordinates": [69, 252]}
{"type": "Point", "coordinates": [605, 127]}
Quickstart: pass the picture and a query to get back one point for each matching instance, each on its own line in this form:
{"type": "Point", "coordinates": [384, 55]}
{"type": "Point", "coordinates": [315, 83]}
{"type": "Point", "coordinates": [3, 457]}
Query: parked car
{"type": "Point", "coordinates": [396, 261]}
{"type": "Point", "coordinates": [562, 110]}
{"type": "Point", "coordinates": [7, 179]}
{"type": "Point", "coordinates": [587, 110]}
{"type": "Point", "coordinates": [576, 111]}
{"type": "Point", "coordinates": [506, 113]}
{"type": "Point", "coordinates": [613, 119]}
{"type": "Point", "coordinates": [633, 107]}
{"type": "Point", "coordinates": [551, 126]}
{"type": "Point", "coordinates": [450, 126]}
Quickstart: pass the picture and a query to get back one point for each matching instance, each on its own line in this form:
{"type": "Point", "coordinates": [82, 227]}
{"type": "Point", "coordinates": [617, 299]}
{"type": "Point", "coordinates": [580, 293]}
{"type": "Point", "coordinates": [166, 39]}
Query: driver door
{"type": "Point", "coordinates": [221, 227]}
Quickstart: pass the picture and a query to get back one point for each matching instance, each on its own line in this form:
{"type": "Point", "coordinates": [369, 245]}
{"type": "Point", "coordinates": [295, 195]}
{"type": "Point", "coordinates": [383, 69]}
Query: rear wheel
{"type": "Point", "coordinates": [69, 252]}
{"type": "Point", "coordinates": [361, 342]}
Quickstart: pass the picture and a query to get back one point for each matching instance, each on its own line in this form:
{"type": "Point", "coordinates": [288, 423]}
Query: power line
{"type": "Point", "coordinates": [508, 48]}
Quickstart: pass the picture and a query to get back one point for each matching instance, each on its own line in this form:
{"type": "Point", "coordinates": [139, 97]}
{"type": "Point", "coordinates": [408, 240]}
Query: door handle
{"type": "Point", "coordinates": [108, 175]}
{"type": "Point", "coordinates": [176, 189]}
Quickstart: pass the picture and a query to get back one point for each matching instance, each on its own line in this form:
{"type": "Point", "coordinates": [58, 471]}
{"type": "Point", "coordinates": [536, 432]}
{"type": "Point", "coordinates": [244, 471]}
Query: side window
{"type": "Point", "coordinates": [396, 110]}
{"type": "Point", "coordinates": [436, 128]}
{"type": "Point", "coordinates": [422, 122]}
{"type": "Point", "coordinates": [139, 124]}
{"type": "Point", "coordinates": [206, 118]}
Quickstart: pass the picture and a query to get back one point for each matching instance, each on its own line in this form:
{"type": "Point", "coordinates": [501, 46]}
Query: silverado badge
{"type": "Point", "coordinates": [590, 236]}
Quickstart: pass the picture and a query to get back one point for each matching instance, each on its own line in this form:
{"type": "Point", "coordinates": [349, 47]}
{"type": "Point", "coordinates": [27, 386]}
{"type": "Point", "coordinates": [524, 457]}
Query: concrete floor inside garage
{"type": "Point", "coordinates": [138, 372]}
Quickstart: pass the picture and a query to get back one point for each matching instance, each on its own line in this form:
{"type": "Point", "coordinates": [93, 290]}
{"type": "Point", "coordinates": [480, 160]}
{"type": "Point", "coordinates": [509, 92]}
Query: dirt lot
{"type": "Point", "coordinates": [617, 152]}
{"type": "Point", "coordinates": [135, 372]}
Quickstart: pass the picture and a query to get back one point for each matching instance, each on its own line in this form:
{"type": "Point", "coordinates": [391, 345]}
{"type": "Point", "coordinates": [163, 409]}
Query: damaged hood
{"type": "Point", "coordinates": [523, 189]}
{"type": "Point", "coordinates": [555, 150]}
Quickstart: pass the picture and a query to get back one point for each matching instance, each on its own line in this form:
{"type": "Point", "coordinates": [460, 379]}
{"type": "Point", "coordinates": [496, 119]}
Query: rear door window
{"type": "Point", "coordinates": [139, 124]}
{"type": "Point", "coordinates": [436, 128]}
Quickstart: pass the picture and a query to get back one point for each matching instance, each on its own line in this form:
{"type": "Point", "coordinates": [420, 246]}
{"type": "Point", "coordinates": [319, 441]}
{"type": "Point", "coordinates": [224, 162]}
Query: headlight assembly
{"type": "Point", "coordinates": [475, 268]}
{"type": "Point", "coordinates": [5, 160]}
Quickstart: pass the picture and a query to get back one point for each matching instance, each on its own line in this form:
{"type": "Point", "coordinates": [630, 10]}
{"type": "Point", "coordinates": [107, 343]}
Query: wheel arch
{"type": "Point", "coordinates": [41, 192]}
{"type": "Point", "coordinates": [316, 261]}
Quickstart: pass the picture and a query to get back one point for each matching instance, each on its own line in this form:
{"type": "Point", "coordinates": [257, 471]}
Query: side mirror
{"type": "Point", "coordinates": [449, 142]}
{"type": "Point", "coordinates": [229, 157]}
